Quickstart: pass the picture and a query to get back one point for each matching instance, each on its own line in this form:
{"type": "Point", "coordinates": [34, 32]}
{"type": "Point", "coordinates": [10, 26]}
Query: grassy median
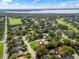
{"type": "Point", "coordinates": [1, 50]}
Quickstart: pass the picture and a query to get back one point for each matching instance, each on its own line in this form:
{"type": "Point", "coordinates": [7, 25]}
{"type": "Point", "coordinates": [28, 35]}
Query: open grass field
{"type": "Point", "coordinates": [70, 26]}
{"type": "Point", "coordinates": [1, 50]}
{"type": "Point", "coordinates": [34, 45]}
{"type": "Point", "coordinates": [15, 21]}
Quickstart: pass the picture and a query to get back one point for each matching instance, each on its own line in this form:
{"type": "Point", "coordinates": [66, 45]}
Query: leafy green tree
{"type": "Point", "coordinates": [52, 35]}
{"type": "Point", "coordinates": [28, 55]}
{"type": "Point", "coordinates": [14, 50]}
{"type": "Point", "coordinates": [65, 50]}
{"type": "Point", "coordinates": [67, 42]}
{"type": "Point", "coordinates": [53, 57]}
{"type": "Point", "coordinates": [13, 56]}
{"type": "Point", "coordinates": [24, 47]}
{"type": "Point", "coordinates": [41, 51]}
{"type": "Point", "coordinates": [52, 44]}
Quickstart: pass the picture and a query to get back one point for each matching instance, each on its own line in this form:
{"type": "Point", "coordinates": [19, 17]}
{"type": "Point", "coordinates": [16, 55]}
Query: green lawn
{"type": "Point", "coordinates": [62, 21]}
{"type": "Point", "coordinates": [70, 26]}
{"type": "Point", "coordinates": [15, 21]}
{"type": "Point", "coordinates": [1, 50]}
{"type": "Point", "coordinates": [34, 45]}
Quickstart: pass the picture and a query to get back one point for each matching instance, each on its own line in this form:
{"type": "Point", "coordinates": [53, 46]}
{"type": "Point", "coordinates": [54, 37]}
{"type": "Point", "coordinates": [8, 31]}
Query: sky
{"type": "Point", "coordinates": [34, 4]}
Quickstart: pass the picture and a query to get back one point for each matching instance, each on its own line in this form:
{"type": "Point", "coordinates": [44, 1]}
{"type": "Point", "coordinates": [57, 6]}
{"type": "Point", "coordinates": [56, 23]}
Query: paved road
{"type": "Point", "coordinates": [5, 55]}
{"type": "Point", "coordinates": [76, 56]}
{"type": "Point", "coordinates": [29, 48]}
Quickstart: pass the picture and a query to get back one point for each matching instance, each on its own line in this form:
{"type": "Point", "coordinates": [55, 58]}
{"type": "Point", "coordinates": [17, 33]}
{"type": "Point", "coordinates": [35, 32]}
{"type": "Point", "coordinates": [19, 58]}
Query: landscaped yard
{"type": "Point", "coordinates": [15, 21]}
{"type": "Point", "coordinates": [34, 45]}
{"type": "Point", "coordinates": [1, 50]}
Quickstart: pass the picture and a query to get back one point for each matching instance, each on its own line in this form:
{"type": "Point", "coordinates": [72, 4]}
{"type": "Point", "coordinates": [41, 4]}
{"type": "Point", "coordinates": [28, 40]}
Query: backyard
{"type": "Point", "coordinates": [34, 45]}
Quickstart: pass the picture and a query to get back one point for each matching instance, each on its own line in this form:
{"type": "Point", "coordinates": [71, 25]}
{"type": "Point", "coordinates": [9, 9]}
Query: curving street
{"type": "Point", "coordinates": [30, 50]}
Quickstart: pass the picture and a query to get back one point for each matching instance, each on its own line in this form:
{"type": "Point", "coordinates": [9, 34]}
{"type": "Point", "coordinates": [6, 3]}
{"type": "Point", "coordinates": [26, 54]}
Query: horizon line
{"type": "Point", "coordinates": [43, 9]}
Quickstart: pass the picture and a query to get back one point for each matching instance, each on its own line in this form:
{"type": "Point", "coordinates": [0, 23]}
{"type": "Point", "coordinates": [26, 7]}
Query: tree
{"type": "Point", "coordinates": [53, 57]}
{"type": "Point", "coordinates": [67, 42]}
{"type": "Point", "coordinates": [77, 36]}
{"type": "Point", "coordinates": [65, 50]}
{"type": "Point", "coordinates": [52, 44]}
{"type": "Point", "coordinates": [13, 56]}
{"type": "Point", "coordinates": [14, 50]}
{"type": "Point", "coordinates": [41, 51]}
{"type": "Point", "coordinates": [52, 35]}
{"type": "Point", "coordinates": [24, 32]}
{"type": "Point", "coordinates": [28, 55]}
{"type": "Point", "coordinates": [24, 47]}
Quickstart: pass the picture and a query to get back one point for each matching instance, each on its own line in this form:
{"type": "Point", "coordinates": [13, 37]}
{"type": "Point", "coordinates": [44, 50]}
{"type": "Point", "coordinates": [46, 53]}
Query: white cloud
{"type": "Point", "coordinates": [7, 1]}
{"type": "Point", "coordinates": [6, 4]}
{"type": "Point", "coordinates": [68, 4]}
